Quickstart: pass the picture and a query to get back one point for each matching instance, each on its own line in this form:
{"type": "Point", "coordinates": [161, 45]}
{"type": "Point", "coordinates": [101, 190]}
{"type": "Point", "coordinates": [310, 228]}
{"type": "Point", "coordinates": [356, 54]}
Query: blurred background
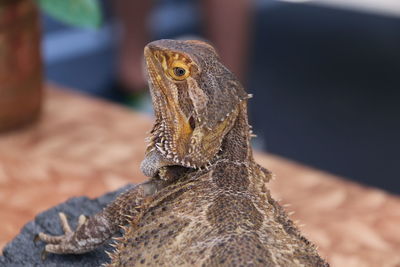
{"type": "Point", "coordinates": [325, 74]}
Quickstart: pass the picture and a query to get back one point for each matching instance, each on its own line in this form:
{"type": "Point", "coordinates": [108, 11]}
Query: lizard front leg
{"type": "Point", "coordinates": [94, 231]}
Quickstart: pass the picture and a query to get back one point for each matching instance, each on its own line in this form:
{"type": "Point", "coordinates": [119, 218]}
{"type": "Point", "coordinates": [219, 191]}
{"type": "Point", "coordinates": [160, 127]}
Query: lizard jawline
{"type": "Point", "coordinates": [172, 131]}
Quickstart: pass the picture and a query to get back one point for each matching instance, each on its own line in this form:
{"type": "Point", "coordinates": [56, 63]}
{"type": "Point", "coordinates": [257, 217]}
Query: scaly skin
{"type": "Point", "coordinates": [206, 203]}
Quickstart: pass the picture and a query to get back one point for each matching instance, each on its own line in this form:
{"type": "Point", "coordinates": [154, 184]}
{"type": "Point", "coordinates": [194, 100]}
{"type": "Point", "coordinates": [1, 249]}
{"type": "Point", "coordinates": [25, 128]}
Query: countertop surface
{"type": "Point", "coordinates": [85, 146]}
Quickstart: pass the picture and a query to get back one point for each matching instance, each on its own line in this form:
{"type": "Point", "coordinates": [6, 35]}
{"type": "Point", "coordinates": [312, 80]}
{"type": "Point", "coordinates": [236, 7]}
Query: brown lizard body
{"type": "Point", "coordinates": [206, 203]}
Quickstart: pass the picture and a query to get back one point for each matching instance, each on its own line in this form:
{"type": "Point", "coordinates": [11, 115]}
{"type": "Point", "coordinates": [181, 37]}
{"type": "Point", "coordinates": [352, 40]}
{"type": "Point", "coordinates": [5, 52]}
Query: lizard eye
{"type": "Point", "coordinates": [179, 70]}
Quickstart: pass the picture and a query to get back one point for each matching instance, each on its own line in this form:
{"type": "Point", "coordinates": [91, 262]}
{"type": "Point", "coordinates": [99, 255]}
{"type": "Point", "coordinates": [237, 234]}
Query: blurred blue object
{"type": "Point", "coordinates": [78, 58]}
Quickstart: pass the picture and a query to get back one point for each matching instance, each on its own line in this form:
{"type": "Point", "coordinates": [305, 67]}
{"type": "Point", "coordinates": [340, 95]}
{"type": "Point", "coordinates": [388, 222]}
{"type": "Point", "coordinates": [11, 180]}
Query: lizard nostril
{"type": "Point", "coordinates": [192, 122]}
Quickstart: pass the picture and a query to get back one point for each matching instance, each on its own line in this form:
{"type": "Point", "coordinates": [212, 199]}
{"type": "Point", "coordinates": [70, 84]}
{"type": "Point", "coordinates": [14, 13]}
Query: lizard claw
{"type": "Point", "coordinates": [44, 255]}
{"type": "Point", "coordinates": [36, 239]}
{"type": "Point", "coordinates": [64, 223]}
{"type": "Point", "coordinates": [60, 244]}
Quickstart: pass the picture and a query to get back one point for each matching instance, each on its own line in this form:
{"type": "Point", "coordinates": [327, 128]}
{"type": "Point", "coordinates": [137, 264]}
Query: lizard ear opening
{"type": "Point", "coordinates": [192, 122]}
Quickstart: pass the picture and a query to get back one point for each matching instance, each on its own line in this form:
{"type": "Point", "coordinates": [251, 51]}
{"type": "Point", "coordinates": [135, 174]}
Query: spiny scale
{"type": "Point", "coordinates": [214, 209]}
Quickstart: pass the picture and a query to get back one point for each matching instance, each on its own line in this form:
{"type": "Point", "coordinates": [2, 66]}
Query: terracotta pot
{"type": "Point", "coordinates": [20, 63]}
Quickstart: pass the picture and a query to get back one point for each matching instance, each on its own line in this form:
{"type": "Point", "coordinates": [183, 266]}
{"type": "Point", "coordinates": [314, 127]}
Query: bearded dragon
{"type": "Point", "coordinates": [206, 202]}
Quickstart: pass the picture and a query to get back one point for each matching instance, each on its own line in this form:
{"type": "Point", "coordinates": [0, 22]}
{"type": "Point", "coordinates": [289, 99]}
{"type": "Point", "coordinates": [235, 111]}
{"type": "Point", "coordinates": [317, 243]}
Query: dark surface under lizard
{"type": "Point", "coordinates": [22, 251]}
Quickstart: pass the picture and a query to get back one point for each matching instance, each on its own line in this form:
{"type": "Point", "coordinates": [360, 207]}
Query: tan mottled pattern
{"type": "Point", "coordinates": [96, 147]}
{"type": "Point", "coordinates": [353, 225]}
{"type": "Point", "coordinates": [81, 146]}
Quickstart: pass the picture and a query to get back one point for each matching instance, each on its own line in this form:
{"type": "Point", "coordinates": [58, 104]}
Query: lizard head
{"type": "Point", "coordinates": [195, 99]}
